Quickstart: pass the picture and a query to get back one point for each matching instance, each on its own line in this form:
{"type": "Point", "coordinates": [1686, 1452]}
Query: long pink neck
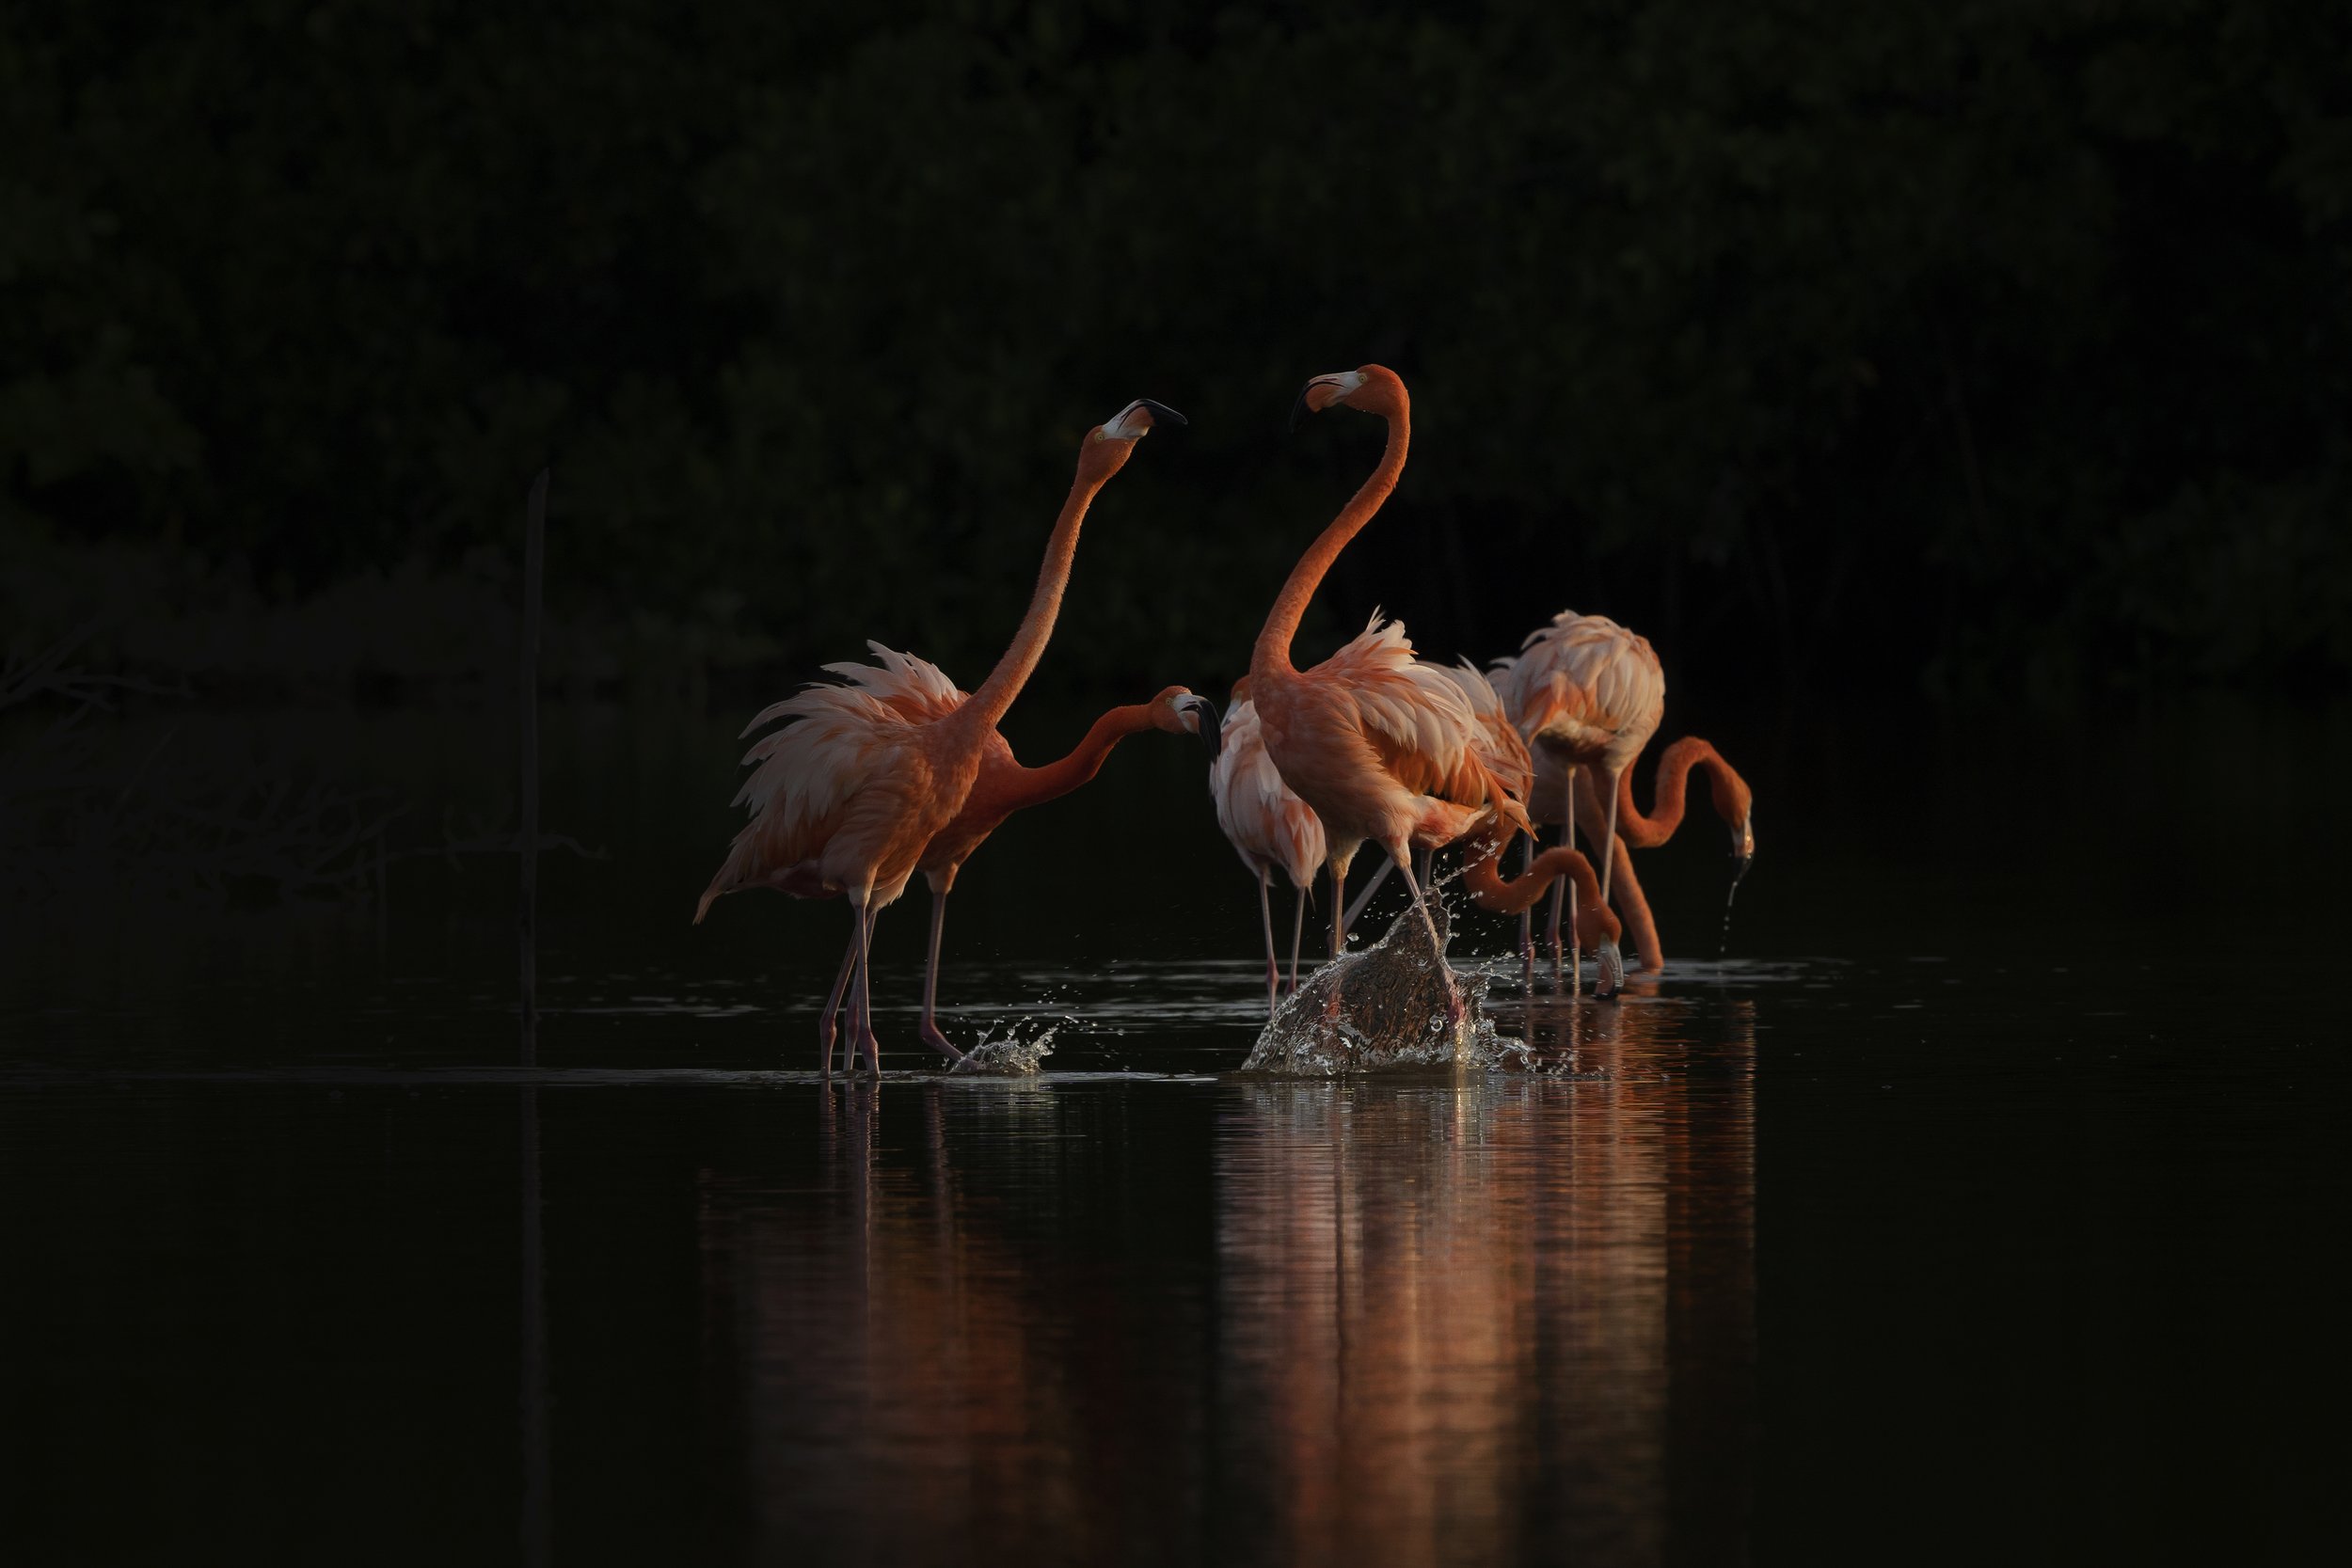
{"type": "Point", "coordinates": [1271, 660]}
{"type": "Point", "coordinates": [1668, 795]}
{"type": "Point", "coordinates": [1483, 879]}
{"type": "Point", "coordinates": [1034, 787]}
{"type": "Point", "coordinates": [1012, 672]}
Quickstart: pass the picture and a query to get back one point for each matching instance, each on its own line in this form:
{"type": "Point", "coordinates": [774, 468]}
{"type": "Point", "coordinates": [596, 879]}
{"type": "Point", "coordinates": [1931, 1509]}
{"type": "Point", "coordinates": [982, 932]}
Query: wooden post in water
{"type": "Point", "coordinates": [533, 1525]}
{"type": "Point", "coordinates": [535, 561]}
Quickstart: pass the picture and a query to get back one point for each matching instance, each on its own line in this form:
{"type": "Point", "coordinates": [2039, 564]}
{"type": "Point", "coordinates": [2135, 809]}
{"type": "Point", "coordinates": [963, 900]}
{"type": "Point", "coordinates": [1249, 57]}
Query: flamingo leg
{"type": "Point", "coordinates": [1298, 930]}
{"type": "Point", "coordinates": [1574, 971]}
{"type": "Point", "coordinates": [825, 1020]}
{"type": "Point", "coordinates": [1402, 856]}
{"type": "Point", "coordinates": [1339, 912]}
{"type": "Point", "coordinates": [1355, 910]}
{"type": "Point", "coordinates": [1641, 927]}
{"type": "Point", "coordinates": [1608, 862]}
{"type": "Point", "coordinates": [928, 1028]}
{"type": "Point", "coordinates": [864, 1020]}
{"type": "Point", "coordinates": [1527, 919]}
{"type": "Point", "coordinates": [1265, 920]}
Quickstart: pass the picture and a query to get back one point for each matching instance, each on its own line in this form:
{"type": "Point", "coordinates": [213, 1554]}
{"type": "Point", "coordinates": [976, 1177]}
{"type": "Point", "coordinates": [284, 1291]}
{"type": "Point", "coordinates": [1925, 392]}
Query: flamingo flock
{"type": "Point", "coordinates": [892, 768]}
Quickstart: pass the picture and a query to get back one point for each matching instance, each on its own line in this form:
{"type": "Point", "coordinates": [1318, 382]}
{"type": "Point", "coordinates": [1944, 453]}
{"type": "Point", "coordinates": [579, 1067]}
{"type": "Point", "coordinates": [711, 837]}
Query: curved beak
{"type": "Point", "coordinates": [1130, 423]}
{"type": "Point", "coordinates": [1743, 851]}
{"type": "Point", "coordinates": [1207, 722]}
{"type": "Point", "coordinates": [1338, 381]}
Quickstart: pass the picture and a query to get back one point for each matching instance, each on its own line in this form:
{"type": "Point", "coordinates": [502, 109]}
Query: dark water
{"type": "Point", "coordinates": [1985, 1204]}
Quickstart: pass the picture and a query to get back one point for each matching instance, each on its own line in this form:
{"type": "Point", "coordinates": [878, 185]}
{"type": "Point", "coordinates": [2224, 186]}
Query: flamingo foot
{"type": "Point", "coordinates": [864, 1043]}
{"type": "Point", "coordinates": [930, 1036]}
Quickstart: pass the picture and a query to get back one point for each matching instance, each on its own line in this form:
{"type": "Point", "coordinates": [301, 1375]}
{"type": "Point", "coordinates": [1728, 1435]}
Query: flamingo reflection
{"type": "Point", "coordinates": [1298, 1323]}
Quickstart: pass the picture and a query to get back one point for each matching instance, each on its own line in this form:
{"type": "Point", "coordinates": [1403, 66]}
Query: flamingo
{"type": "Point", "coordinates": [1381, 746]}
{"type": "Point", "coordinates": [1733, 802]}
{"type": "Point", "coordinates": [1267, 825]}
{"type": "Point", "coordinates": [845, 799]}
{"type": "Point", "coordinates": [1497, 744]}
{"type": "Point", "coordinates": [1505, 753]}
{"type": "Point", "coordinates": [1005, 786]}
{"type": "Point", "coordinates": [1587, 693]}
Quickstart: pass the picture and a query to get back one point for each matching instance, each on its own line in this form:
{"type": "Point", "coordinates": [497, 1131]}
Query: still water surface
{"type": "Point", "coordinates": [1954, 1217]}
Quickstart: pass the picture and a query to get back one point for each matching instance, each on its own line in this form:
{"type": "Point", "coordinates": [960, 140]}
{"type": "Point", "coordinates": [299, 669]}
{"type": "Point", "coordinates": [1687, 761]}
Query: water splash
{"type": "Point", "coordinates": [1383, 1008]}
{"type": "Point", "coordinates": [1009, 1058]}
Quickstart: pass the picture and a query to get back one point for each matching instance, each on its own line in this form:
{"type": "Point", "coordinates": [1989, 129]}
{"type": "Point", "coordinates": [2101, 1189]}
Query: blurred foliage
{"type": "Point", "coordinates": [1989, 350]}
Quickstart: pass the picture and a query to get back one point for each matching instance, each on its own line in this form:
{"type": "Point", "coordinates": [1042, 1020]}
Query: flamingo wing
{"type": "Point", "coordinates": [1498, 742]}
{"type": "Point", "coordinates": [1262, 818]}
{"type": "Point", "coordinates": [1587, 686]}
{"type": "Point", "coordinates": [1415, 716]}
{"type": "Point", "coordinates": [843, 738]}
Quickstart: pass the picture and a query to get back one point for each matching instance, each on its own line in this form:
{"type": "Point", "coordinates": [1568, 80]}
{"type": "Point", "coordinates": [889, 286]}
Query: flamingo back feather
{"type": "Point", "coordinates": [1585, 684]}
{"type": "Point", "coordinates": [804, 775]}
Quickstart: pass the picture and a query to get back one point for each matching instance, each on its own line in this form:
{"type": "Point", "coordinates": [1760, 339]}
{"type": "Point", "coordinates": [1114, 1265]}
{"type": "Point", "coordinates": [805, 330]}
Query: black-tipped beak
{"type": "Point", "coordinates": [1742, 853]}
{"type": "Point", "coordinates": [1211, 725]}
{"type": "Point", "coordinates": [1299, 408]}
{"type": "Point", "coordinates": [1161, 413]}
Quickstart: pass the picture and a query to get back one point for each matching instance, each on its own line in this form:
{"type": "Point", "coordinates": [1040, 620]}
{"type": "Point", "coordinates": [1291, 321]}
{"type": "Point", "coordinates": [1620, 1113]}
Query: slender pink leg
{"type": "Point", "coordinates": [1574, 971]}
{"type": "Point", "coordinates": [1339, 913]}
{"type": "Point", "coordinates": [1641, 927]}
{"type": "Point", "coordinates": [1299, 931]}
{"type": "Point", "coordinates": [867, 917]}
{"type": "Point", "coordinates": [928, 1029]}
{"type": "Point", "coordinates": [833, 1003]}
{"type": "Point", "coordinates": [1609, 863]}
{"type": "Point", "coordinates": [1266, 920]}
{"type": "Point", "coordinates": [1356, 910]}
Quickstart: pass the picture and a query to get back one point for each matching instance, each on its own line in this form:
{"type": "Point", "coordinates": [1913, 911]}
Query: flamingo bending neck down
{"type": "Point", "coordinates": [845, 798]}
{"type": "Point", "coordinates": [1379, 745]}
{"type": "Point", "coordinates": [1587, 695]}
{"type": "Point", "coordinates": [1637, 830]}
{"type": "Point", "coordinates": [1558, 867]}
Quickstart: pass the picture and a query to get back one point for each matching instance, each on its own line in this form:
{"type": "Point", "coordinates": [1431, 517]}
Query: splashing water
{"type": "Point", "coordinates": [1009, 1058]}
{"type": "Point", "coordinates": [1383, 1008]}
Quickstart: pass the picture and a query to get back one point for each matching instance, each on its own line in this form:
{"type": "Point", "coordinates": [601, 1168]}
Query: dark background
{"type": "Point", "coordinates": [1987, 353]}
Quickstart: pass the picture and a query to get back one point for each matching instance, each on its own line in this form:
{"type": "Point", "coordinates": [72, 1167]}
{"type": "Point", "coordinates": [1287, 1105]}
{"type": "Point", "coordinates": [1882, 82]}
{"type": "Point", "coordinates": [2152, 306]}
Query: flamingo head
{"type": "Point", "coordinates": [1736, 805]}
{"type": "Point", "coordinates": [1182, 712]}
{"type": "Point", "coordinates": [1610, 978]}
{"type": "Point", "coordinates": [1109, 444]}
{"type": "Point", "coordinates": [1372, 389]}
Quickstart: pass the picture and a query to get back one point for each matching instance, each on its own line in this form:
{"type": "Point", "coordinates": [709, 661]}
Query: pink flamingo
{"type": "Point", "coordinates": [1506, 755]}
{"type": "Point", "coordinates": [1727, 791]}
{"type": "Point", "coordinates": [1587, 693]}
{"type": "Point", "coordinates": [1005, 786]}
{"type": "Point", "coordinates": [1381, 746]}
{"type": "Point", "coordinates": [1267, 825]}
{"type": "Point", "coordinates": [845, 799]}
